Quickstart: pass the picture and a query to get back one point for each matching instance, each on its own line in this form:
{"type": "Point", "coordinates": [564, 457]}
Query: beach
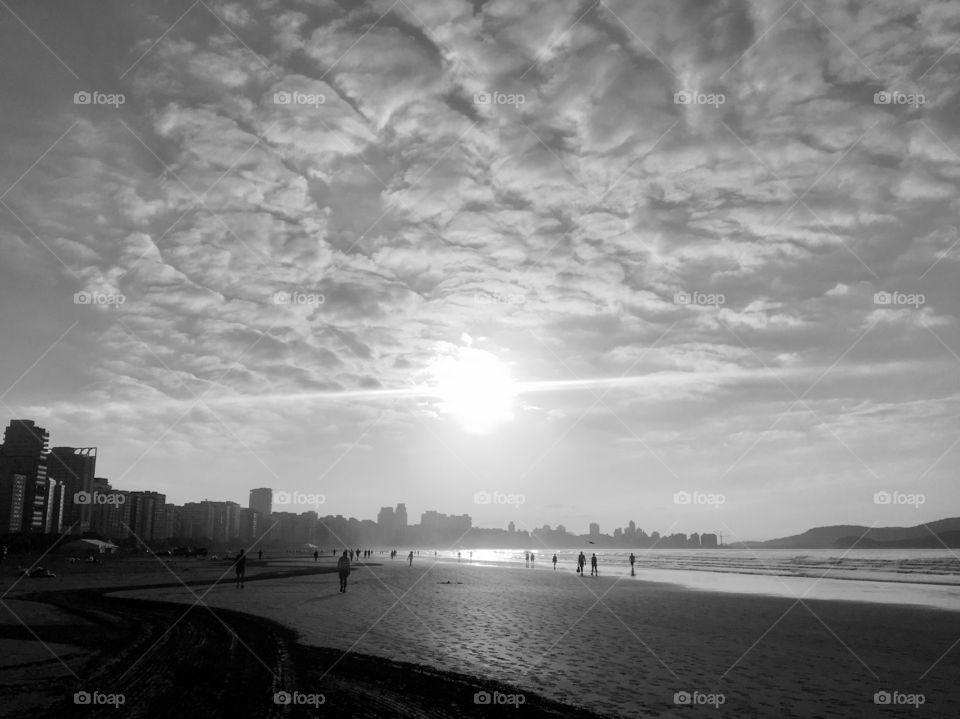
{"type": "Point", "coordinates": [614, 645]}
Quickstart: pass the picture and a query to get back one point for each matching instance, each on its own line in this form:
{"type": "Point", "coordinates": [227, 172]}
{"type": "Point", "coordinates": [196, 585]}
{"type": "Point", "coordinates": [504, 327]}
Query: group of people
{"type": "Point", "coordinates": [343, 563]}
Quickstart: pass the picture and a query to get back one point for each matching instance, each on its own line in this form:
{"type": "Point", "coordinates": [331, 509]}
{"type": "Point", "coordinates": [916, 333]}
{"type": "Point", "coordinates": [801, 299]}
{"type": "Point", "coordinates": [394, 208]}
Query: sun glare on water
{"type": "Point", "coordinates": [475, 388]}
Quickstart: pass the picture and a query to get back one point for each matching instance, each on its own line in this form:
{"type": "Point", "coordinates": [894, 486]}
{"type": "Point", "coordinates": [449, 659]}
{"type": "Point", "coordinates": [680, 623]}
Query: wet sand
{"type": "Point", "coordinates": [617, 645]}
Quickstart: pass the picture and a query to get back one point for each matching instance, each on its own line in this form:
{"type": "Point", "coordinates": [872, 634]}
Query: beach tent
{"type": "Point", "coordinates": [86, 546]}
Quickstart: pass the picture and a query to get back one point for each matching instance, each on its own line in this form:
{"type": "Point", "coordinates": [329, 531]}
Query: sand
{"type": "Point", "coordinates": [617, 645]}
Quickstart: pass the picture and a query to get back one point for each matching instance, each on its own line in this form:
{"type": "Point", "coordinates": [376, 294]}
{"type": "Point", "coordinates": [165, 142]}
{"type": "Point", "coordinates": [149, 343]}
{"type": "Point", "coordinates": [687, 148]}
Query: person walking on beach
{"type": "Point", "coordinates": [632, 560]}
{"type": "Point", "coordinates": [593, 565]}
{"type": "Point", "coordinates": [531, 559]}
{"type": "Point", "coordinates": [240, 567]}
{"type": "Point", "coordinates": [343, 569]}
{"type": "Point", "coordinates": [581, 562]}
{"type": "Point", "coordinates": [458, 557]}
{"type": "Point", "coordinates": [259, 554]}
{"type": "Point", "coordinates": [411, 558]}
{"type": "Point", "coordinates": [554, 562]}
{"type": "Point", "coordinates": [315, 554]}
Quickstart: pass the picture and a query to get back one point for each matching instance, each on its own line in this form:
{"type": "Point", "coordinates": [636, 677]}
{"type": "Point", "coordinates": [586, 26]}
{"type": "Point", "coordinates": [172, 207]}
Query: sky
{"type": "Point", "coordinates": [691, 264]}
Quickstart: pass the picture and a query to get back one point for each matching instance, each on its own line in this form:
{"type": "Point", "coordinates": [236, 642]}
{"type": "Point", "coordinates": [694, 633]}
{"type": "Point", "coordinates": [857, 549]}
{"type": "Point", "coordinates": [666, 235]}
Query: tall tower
{"type": "Point", "coordinates": [261, 500]}
{"type": "Point", "coordinates": [74, 468]}
{"type": "Point", "coordinates": [24, 453]}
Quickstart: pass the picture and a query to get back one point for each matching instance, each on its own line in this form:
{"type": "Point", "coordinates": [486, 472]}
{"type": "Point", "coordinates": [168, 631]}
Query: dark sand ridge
{"type": "Point", "coordinates": [214, 664]}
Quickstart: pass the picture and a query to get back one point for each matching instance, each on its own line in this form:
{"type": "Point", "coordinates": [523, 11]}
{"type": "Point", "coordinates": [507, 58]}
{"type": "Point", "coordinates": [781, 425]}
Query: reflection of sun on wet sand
{"type": "Point", "coordinates": [613, 644]}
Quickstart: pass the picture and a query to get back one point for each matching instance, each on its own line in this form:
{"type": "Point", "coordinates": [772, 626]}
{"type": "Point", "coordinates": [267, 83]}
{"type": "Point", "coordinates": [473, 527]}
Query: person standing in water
{"type": "Point", "coordinates": [554, 562]}
{"type": "Point", "coordinates": [593, 565]}
{"type": "Point", "coordinates": [240, 567]}
{"type": "Point", "coordinates": [343, 569]}
{"type": "Point", "coordinates": [632, 560]}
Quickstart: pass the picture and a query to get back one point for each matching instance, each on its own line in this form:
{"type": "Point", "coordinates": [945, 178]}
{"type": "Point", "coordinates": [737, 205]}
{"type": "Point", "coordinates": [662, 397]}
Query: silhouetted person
{"type": "Point", "coordinates": [532, 557]}
{"type": "Point", "coordinates": [411, 558]}
{"type": "Point", "coordinates": [343, 569]}
{"type": "Point", "coordinates": [554, 562]}
{"type": "Point", "coordinates": [315, 554]}
{"type": "Point", "coordinates": [526, 558]}
{"type": "Point", "coordinates": [259, 554]}
{"type": "Point", "coordinates": [240, 567]}
{"type": "Point", "coordinates": [458, 557]}
{"type": "Point", "coordinates": [581, 562]}
{"type": "Point", "coordinates": [593, 565]}
{"type": "Point", "coordinates": [632, 560]}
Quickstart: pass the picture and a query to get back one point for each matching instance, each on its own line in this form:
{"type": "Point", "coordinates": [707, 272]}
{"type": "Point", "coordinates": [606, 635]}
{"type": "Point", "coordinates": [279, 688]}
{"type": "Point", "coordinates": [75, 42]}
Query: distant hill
{"type": "Point", "coordinates": [845, 535]}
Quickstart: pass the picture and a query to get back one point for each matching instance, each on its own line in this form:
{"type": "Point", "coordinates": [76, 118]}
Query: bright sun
{"type": "Point", "coordinates": [475, 388]}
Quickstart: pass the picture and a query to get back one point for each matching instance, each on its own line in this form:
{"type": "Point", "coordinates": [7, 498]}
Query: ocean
{"type": "Point", "coordinates": [924, 577]}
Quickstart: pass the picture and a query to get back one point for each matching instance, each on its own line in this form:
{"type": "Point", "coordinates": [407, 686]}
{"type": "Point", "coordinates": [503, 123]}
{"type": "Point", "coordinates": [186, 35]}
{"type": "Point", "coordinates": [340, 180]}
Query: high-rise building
{"type": "Point", "coordinates": [594, 529]}
{"type": "Point", "coordinates": [13, 493]}
{"type": "Point", "coordinates": [24, 452]}
{"type": "Point", "coordinates": [261, 500]}
{"type": "Point", "coordinates": [146, 514]}
{"type": "Point", "coordinates": [401, 515]}
{"type": "Point", "coordinates": [74, 468]}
